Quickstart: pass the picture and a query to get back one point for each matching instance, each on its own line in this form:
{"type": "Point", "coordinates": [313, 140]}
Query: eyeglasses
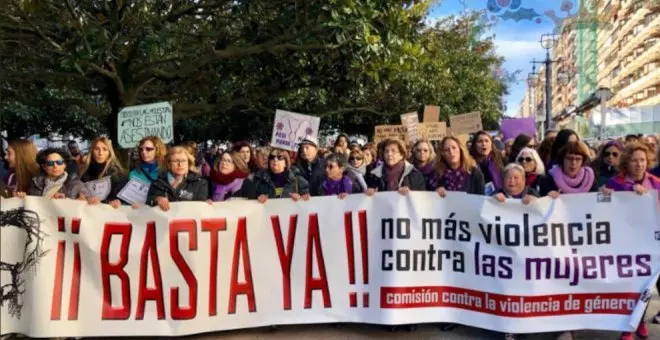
{"type": "Point", "coordinates": [525, 160]}
{"type": "Point", "coordinates": [331, 166]}
{"type": "Point", "coordinates": [179, 161]}
{"type": "Point", "coordinates": [422, 150]}
{"type": "Point", "coordinates": [52, 163]}
{"type": "Point", "coordinates": [613, 154]}
{"type": "Point", "coordinates": [353, 159]}
{"type": "Point", "coordinates": [574, 159]}
{"type": "Point", "coordinates": [147, 149]}
{"type": "Point", "coordinates": [275, 157]}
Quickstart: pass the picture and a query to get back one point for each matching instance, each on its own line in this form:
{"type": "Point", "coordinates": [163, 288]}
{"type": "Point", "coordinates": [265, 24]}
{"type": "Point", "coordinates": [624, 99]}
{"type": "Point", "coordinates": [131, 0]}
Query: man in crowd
{"type": "Point", "coordinates": [76, 155]}
{"type": "Point", "coordinates": [310, 165]}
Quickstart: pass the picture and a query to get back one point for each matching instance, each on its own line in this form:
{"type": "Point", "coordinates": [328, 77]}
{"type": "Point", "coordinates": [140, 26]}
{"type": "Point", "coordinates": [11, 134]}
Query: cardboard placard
{"type": "Point", "coordinates": [411, 122]}
{"type": "Point", "coordinates": [390, 132]}
{"type": "Point", "coordinates": [433, 131]}
{"type": "Point", "coordinates": [290, 128]}
{"type": "Point", "coordinates": [466, 123]}
{"type": "Point", "coordinates": [431, 114]}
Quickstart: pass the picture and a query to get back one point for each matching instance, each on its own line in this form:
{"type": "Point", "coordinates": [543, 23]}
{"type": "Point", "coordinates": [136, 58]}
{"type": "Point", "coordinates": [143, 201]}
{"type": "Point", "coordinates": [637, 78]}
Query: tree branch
{"type": "Point", "coordinates": [364, 109]}
{"type": "Point", "coordinates": [112, 75]}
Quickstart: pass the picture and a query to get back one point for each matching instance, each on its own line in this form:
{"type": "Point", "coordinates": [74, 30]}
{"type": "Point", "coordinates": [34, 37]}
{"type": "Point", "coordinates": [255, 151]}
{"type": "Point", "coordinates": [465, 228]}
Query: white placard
{"type": "Point", "coordinates": [290, 128]}
{"type": "Point", "coordinates": [135, 191]}
{"type": "Point", "coordinates": [137, 122]}
{"type": "Point", "coordinates": [99, 188]}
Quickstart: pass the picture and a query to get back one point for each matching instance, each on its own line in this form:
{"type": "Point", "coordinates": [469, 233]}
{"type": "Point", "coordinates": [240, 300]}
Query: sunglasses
{"type": "Point", "coordinates": [147, 149]}
{"type": "Point", "coordinates": [613, 154]}
{"type": "Point", "coordinates": [331, 166]}
{"type": "Point", "coordinates": [52, 163]}
{"type": "Point", "coordinates": [352, 159]}
{"type": "Point", "coordinates": [525, 160]}
{"type": "Point", "coordinates": [276, 157]}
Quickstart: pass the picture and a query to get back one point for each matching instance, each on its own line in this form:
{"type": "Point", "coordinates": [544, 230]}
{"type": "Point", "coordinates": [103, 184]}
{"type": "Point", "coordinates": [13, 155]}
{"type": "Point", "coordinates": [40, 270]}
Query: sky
{"type": "Point", "coordinates": [517, 41]}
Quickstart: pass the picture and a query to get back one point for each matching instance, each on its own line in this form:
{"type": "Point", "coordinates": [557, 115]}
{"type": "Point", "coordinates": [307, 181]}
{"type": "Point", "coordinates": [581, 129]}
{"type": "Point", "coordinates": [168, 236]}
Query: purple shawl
{"type": "Point", "coordinates": [332, 187]}
{"type": "Point", "coordinates": [623, 183]}
{"type": "Point", "coordinates": [495, 173]}
{"type": "Point", "coordinates": [426, 169]}
{"type": "Point", "coordinates": [580, 184]}
{"type": "Point", "coordinates": [220, 191]}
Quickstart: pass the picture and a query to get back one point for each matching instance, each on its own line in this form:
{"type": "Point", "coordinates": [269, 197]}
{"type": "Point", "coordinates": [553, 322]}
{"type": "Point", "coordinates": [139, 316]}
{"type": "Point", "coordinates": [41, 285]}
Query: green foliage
{"type": "Point", "coordinates": [227, 65]}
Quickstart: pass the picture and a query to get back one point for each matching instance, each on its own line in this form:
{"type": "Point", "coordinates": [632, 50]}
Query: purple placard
{"type": "Point", "coordinates": [511, 128]}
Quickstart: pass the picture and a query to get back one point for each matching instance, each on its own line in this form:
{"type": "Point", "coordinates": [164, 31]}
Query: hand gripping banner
{"type": "Point", "coordinates": [578, 262]}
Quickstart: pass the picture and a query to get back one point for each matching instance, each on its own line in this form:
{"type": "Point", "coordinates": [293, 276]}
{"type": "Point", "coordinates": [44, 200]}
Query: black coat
{"type": "Point", "coordinates": [411, 178]}
{"type": "Point", "coordinates": [313, 173]}
{"type": "Point", "coordinates": [264, 185]}
{"type": "Point", "coordinates": [71, 188]}
{"type": "Point", "coordinates": [117, 182]}
{"type": "Point", "coordinates": [193, 188]}
{"type": "Point", "coordinates": [547, 184]}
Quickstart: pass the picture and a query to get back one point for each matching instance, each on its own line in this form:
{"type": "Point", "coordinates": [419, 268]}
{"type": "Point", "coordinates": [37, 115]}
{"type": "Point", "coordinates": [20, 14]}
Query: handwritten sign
{"type": "Point", "coordinates": [290, 128]}
{"type": "Point", "coordinates": [433, 131]}
{"type": "Point", "coordinates": [390, 132]}
{"type": "Point", "coordinates": [466, 123]}
{"type": "Point", "coordinates": [137, 122]}
{"type": "Point", "coordinates": [431, 114]}
{"type": "Point", "coordinates": [135, 191]}
{"type": "Point", "coordinates": [99, 188]}
{"type": "Point", "coordinates": [411, 122]}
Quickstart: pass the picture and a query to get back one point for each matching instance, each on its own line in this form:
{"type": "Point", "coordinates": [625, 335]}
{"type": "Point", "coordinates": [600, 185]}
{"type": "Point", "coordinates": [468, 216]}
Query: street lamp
{"type": "Point", "coordinates": [547, 42]}
{"type": "Point", "coordinates": [562, 78]}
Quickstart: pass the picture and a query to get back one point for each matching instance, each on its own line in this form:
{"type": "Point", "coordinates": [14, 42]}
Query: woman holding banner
{"type": "Point", "coordinates": [423, 158]}
{"type": "Point", "coordinates": [395, 174]}
{"type": "Point", "coordinates": [150, 162]}
{"type": "Point", "coordinates": [229, 178]}
{"type": "Point", "coordinates": [280, 180]}
{"type": "Point", "coordinates": [455, 170]}
{"type": "Point", "coordinates": [103, 165]}
{"type": "Point", "coordinates": [490, 161]}
{"type": "Point", "coordinates": [572, 175]}
{"type": "Point", "coordinates": [54, 181]}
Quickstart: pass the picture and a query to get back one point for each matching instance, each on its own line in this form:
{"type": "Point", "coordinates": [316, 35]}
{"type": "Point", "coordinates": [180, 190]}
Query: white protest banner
{"type": "Point", "coordinates": [411, 122]}
{"type": "Point", "coordinates": [290, 128]}
{"type": "Point", "coordinates": [135, 191]}
{"type": "Point", "coordinates": [465, 123]}
{"type": "Point", "coordinates": [137, 122]}
{"type": "Point", "coordinates": [99, 188]}
{"type": "Point", "coordinates": [90, 270]}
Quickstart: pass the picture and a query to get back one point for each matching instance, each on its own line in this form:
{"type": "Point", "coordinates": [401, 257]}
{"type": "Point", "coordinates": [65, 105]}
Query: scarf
{"type": "Point", "coordinates": [530, 178]}
{"type": "Point", "coordinates": [336, 187]}
{"type": "Point", "coordinates": [426, 169]}
{"type": "Point", "coordinates": [219, 178]}
{"type": "Point", "coordinates": [220, 191]}
{"type": "Point", "coordinates": [361, 170]}
{"type": "Point", "coordinates": [454, 180]}
{"type": "Point", "coordinates": [280, 180]}
{"type": "Point", "coordinates": [580, 184]}
{"type": "Point", "coordinates": [392, 175]}
{"type": "Point", "coordinates": [489, 165]}
{"type": "Point", "coordinates": [175, 182]}
{"type": "Point", "coordinates": [52, 187]}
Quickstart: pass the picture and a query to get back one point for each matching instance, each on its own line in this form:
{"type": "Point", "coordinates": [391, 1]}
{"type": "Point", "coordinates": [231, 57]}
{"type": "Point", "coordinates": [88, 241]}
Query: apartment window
{"type": "Point", "coordinates": [650, 17]}
{"type": "Point", "coordinates": [630, 101]}
{"type": "Point", "coordinates": [615, 72]}
{"type": "Point", "coordinates": [648, 68]}
{"type": "Point", "coordinates": [639, 29]}
{"type": "Point", "coordinates": [651, 42]}
{"type": "Point", "coordinates": [637, 5]}
{"type": "Point", "coordinates": [652, 91]}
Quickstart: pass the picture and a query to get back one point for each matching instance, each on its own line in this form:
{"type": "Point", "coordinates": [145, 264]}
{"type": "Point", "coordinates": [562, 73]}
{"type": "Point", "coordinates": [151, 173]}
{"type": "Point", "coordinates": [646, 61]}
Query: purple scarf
{"type": "Point", "coordinates": [580, 184]}
{"type": "Point", "coordinates": [624, 183]}
{"type": "Point", "coordinates": [426, 169]}
{"type": "Point", "coordinates": [220, 191]}
{"type": "Point", "coordinates": [340, 186]}
{"type": "Point", "coordinates": [393, 175]}
{"type": "Point", "coordinates": [280, 180]}
{"type": "Point", "coordinates": [495, 173]}
{"type": "Point", "coordinates": [453, 180]}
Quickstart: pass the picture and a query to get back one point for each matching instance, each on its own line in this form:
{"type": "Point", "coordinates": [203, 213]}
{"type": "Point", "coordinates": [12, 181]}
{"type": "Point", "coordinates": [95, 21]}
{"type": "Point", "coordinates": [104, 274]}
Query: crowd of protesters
{"type": "Point", "coordinates": [521, 168]}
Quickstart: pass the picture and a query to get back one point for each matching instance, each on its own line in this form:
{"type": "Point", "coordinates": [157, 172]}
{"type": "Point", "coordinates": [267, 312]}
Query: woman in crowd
{"type": "Point", "coordinates": [395, 174]}
{"type": "Point", "coordinates": [490, 161]}
{"type": "Point", "coordinates": [151, 160]}
{"type": "Point", "coordinates": [656, 171]}
{"type": "Point", "coordinates": [336, 182]}
{"type": "Point", "coordinates": [54, 181]}
{"type": "Point", "coordinates": [522, 141]}
{"type": "Point", "coordinates": [563, 137]}
{"type": "Point", "coordinates": [341, 144]}
{"type": "Point", "coordinates": [280, 180]}
{"type": "Point", "coordinates": [606, 164]}
{"type": "Point", "coordinates": [634, 177]}
{"type": "Point", "coordinates": [261, 157]}
{"type": "Point", "coordinates": [456, 170]}
{"type": "Point", "coordinates": [423, 158]}
{"type": "Point", "coordinates": [179, 183]}
{"type": "Point", "coordinates": [101, 163]}
{"type": "Point", "coordinates": [369, 151]}
{"type": "Point", "coordinates": [21, 160]}
{"type": "Point", "coordinates": [357, 170]}
{"type": "Point", "coordinates": [513, 185]}
{"type": "Point", "coordinates": [530, 160]}
{"type": "Point", "coordinates": [545, 150]}
{"type": "Point", "coordinates": [572, 175]}
{"type": "Point", "coordinates": [244, 149]}
{"type": "Point", "coordinates": [229, 178]}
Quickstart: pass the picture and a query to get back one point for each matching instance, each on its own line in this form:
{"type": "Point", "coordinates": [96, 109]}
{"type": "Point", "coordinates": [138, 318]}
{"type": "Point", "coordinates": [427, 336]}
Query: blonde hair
{"type": "Point", "coordinates": [628, 152]}
{"type": "Point", "coordinates": [175, 150]}
{"type": "Point", "coordinates": [432, 154]}
{"type": "Point", "coordinates": [25, 163]}
{"type": "Point", "coordinates": [112, 159]}
{"type": "Point", "coordinates": [467, 162]}
{"type": "Point", "coordinates": [161, 151]}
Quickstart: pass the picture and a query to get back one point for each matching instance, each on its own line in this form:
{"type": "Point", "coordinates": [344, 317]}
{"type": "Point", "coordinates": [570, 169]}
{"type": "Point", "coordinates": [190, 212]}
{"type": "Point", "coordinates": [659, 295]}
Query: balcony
{"type": "Point", "coordinates": [632, 21]}
{"type": "Point", "coordinates": [608, 11]}
{"type": "Point", "coordinates": [650, 30]}
{"type": "Point", "coordinates": [632, 85]}
{"type": "Point", "coordinates": [633, 63]}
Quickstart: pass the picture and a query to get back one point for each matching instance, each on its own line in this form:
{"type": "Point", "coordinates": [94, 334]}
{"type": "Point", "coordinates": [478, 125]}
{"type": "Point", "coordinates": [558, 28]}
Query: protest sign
{"type": "Point", "coordinates": [466, 123]}
{"type": "Point", "coordinates": [99, 188]}
{"type": "Point", "coordinates": [511, 128]}
{"type": "Point", "coordinates": [411, 122]}
{"type": "Point", "coordinates": [137, 122]}
{"type": "Point", "coordinates": [577, 262]}
{"type": "Point", "coordinates": [431, 114]}
{"type": "Point", "coordinates": [383, 132]}
{"type": "Point", "coordinates": [432, 131]}
{"type": "Point", "coordinates": [135, 191]}
{"type": "Point", "coordinates": [290, 128]}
